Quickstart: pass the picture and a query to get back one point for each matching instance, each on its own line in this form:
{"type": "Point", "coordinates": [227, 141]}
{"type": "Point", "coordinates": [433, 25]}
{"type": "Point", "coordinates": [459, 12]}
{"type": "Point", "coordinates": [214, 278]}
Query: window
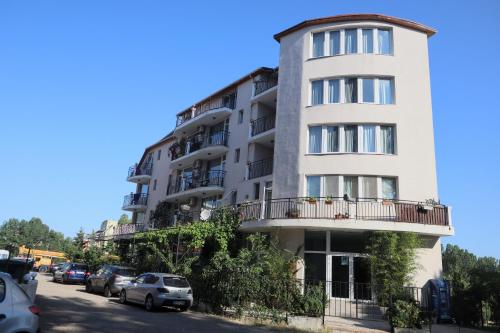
{"type": "Point", "coordinates": [369, 139]}
{"type": "Point", "coordinates": [240, 116]}
{"type": "Point", "coordinates": [351, 138]}
{"type": "Point", "coordinates": [351, 90]}
{"type": "Point", "coordinates": [256, 191]}
{"type": "Point", "coordinates": [331, 186]}
{"type": "Point", "coordinates": [334, 42]}
{"type": "Point", "coordinates": [154, 185]}
{"type": "Point", "coordinates": [368, 90]}
{"type": "Point", "coordinates": [334, 91]}
{"type": "Point", "coordinates": [314, 241]}
{"type": "Point", "coordinates": [317, 92]}
{"type": "Point", "coordinates": [313, 186]}
{"type": "Point", "coordinates": [367, 40]}
{"type": "Point", "coordinates": [234, 197]}
{"type": "Point", "coordinates": [318, 44]}
{"type": "Point", "coordinates": [158, 156]}
{"type": "Point", "coordinates": [351, 186]}
{"type": "Point", "coordinates": [210, 202]}
{"type": "Point", "coordinates": [385, 91]}
{"type": "Point", "coordinates": [389, 188]}
{"type": "Point", "coordinates": [332, 139]}
{"type": "Point", "coordinates": [387, 139]}
{"type": "Point", "coordinates": [384, 41]}
{"type": "Point", "coordinates": [315, 143]}
{"type": "Point", "coordinates": [237, 155]}
{"type": "Point", "coordinates": [351, 41]}
{"type": "Point", "coordinates": [369, 187]}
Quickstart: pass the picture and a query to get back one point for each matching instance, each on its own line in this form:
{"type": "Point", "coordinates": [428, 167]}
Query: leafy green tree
{"type": "Point", "coordinates": [124, 219]}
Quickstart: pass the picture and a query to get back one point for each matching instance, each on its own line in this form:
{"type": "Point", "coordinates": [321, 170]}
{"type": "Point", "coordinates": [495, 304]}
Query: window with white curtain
{"type": "Point", "coordinates": [351, 138]}
{"type": "Point", "coordinates": [389, 190]}
{"type": "Point", "coordinates": [318, 44]}
{"type": "Point", "coordinates": [314, 186]}
{"type": "Point", "coordinates": [351, 186]}
{"type": "Point", "coordinates": [369, 139]}
{"type": "Point", "coordinates": [332, 139]}
{"type": "Point", "coordinates": [334, 42]}
{"type": "Point", "coordinates": [331, 187]}
{"type": "Point", "coordinates": [351, 41]}
{"type": "Point", "coordinates": [367, 40]}
{"type": "Point", "coordinates": [354, 186]}
{"type": "Point", "coordinates": [317, 92]}
{"type": "Point", "coordinates": [385, 91]}
{"type": "Point", "coordinates": [334, 91]}
{"type": "Point", "coordinates": [387, 139]}
{"type": "Point", "coordinates": [315, 141]}
{"type": "Point", "coordinates": [369, 187]}
{"type": "Point", "coordinates": [384, 41]}
{"type": "Point", "coordinates": [368, 90]}
{"type": "Point", "coordinates": [351, 90]}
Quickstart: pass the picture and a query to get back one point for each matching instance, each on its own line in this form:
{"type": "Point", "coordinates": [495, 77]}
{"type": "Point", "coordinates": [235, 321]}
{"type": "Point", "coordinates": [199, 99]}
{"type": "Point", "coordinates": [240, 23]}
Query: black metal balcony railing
{"type": "Point", "coordinates": [341, 209]}
{"type": "Point", "coordinates": [260, 168]}
{"type": "Point", "coordinates": [197, 142]}
{"type": "Point", "coordinates": [226, 101]}
{"type": "Point", "coordinates": [262, 124]}
{"type": "Point", "coordinates": [263, 85]}
{"type": "Point", "coordinates": [135, 170]}
{"type": "Point", "coordinates": [128, 229]}
{"type": "Point", "coordinates": [211, 178]}
{"type": "Point", "coordinates": [135, 199]}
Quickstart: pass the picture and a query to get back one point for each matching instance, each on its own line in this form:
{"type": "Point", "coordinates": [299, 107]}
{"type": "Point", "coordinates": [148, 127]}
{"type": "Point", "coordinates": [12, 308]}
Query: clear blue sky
{"type": "Point", "coordinates": [85, 86]}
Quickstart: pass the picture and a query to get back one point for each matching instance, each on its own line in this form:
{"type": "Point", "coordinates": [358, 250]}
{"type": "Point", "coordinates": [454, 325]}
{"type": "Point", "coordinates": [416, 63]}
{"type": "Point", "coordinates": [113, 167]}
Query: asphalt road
{"type": "Point", "coordinates": [68, 308]}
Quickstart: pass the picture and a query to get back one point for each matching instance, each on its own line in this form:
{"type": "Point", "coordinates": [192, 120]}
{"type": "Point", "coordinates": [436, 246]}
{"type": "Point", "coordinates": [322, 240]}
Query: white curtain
{"type": "Point", "coordinates": [317, 92]}
{"type": "Point", "coordinates": [351, 139]}
{"type": "Point", "coordinates": [369, 187]}
{"type": "Point", "coordinates": [351, 90]}
{"type": "Point", "coordinates": [351, 186]}
{"type": "Point", "coordinates": [351, 41]}
{"type": "Point", "coordinates": [368, 90]}
{"type": "Point", "coordinates": [331, 186]}
{"type": "Point", "coordinates": [367, 40]}
{"type": "Point", "coordinates": [385, 91]}
{"type": "Point", "coordinates": [315, 139]}
{"type": "Point", "coordinates": [384, 41]}
{"type": "Point", "coordinates": [313, 186]}
{"type": "Point", "coordinates": [334, 91]}
{"type": "Point", "coordinates": [318, 44]}
{"type": "Point", "coordinates": [389, 188]}
{"type": "Point", "coordinates": [387, 139]}
{"type": "Point", "coordinates": [369, 138]}
{"type": "Point", "coordinates": [332, 139]}
{"type": "Point", "coordinates": [334, 42]}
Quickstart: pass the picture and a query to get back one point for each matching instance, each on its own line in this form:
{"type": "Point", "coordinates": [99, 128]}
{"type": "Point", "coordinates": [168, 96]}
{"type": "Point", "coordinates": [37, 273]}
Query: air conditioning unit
{"type": "Point", "coordinates": [205, 214]}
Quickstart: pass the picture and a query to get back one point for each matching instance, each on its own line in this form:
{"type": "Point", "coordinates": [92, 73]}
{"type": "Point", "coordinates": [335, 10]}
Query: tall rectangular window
{"type": "Point", "coordinates": [154, 185]}
{"type": "Point", "coordinates": [240, 116]}
{"type": "Point", "coordinates": [256, 191]}
{"type": "Point", "coordinates": [369, 187]}
{"type": "Point", "coordinates": [334, 42]}
{"type": "Point", "coordinates": [387, 139]}
{"type": "Point", "coordinates": [351, 41]}
{"type": "Point", "coordinates": [389, 190]}
{"type": "Point", "coordinates": [315, 139]}
{"type": "Point", "coordinates": [367, 40]}
{"type": "Point", "coordinates": [386, 91]}
{"type": "Point", "coordinates": [331, 186]}
{"type": "Point", "coordinates": [369, 139]}
{"type": "Point", "coordinates": [158, 156]}
{"type": "Point", "coordinates": [368, 90]}
{"type": "Point", "coordinates": [313, 186]}
{"type": "Point", "coordinates": [317, 92]}
{"type": "Point", "coordinates": [351, 90]}
{"type": "Point", "coordinates": [332, 139]}
{"type": "Point", "coordinates": [351, 138]}
{"type": "Point", "coordinates": [237, 155]}
{"type": "Point", "coordinates": [334, 91]}
{"type": "Point", "coordinates": [384, 41]}
{"type": "Point", "coordinates": [318, 44]}
{"type": "Point", "coordinates": [351, 186]}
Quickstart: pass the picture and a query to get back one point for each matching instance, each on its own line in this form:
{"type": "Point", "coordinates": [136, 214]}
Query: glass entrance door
{"type": "Point", "coordinates": [350, 276]}
{"type": "Point", "coordinates": [340, 276]}
{"type": "Point", "coordinates": [362, 278]}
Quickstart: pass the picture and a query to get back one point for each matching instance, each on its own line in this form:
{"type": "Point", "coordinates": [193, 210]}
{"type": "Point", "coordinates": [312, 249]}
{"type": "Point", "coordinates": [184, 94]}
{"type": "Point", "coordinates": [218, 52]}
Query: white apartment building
{"type": "Point", "coordinates": [335, 144]}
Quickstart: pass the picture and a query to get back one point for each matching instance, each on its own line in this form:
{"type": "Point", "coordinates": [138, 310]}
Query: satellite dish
{"type": "Point", "coordinates": [205, 214]}
{"type": "Point", "coordinates": [185, 208]}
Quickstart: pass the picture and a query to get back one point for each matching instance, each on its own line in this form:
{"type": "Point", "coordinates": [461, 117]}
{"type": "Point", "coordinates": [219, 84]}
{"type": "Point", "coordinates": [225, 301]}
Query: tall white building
{"type": "Point", "coordinates": [336, 143]}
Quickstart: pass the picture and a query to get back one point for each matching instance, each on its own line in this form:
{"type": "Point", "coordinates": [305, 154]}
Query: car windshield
{"type": "Point", "coordinates": [79, 267]}
{"type": "Point", "coordinates": [178, 282]}
{"type": "Point", "coordinates": [125, 272]}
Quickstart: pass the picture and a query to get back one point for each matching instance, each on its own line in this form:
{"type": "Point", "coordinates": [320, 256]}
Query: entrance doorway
{"type": "Point", "coordinates": [349, 276]}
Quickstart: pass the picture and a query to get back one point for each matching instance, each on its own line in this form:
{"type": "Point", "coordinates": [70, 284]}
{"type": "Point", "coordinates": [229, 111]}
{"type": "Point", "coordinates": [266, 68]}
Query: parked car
{"type": "Point", "coordinates": [72, 272]}
{"type": "Point", "coordinates": [110, 279]}
{"type": "Point", "coordinates": [154, 290]}
{"type": "Point", "coordinates": [17, 312]}
{"type": "Point", "coordinates": [55, 267]}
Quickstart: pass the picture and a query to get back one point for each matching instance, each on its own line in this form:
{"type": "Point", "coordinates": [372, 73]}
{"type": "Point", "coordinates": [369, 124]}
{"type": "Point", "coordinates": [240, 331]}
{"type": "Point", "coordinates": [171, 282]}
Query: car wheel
{"type": "Point", "coordinates": [53, 278]}
{"type": "Point", "coordinates": [149, 304]}
{"type": "Point", "coordinates": [123, 296]}
{"type": "Point", "coordinates": [107, 291]}
{"type": "Point", "coordinates": [88, 287]}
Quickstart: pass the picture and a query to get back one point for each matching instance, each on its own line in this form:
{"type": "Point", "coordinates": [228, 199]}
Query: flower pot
{"type": "Point", "coordinates": [328, 202]}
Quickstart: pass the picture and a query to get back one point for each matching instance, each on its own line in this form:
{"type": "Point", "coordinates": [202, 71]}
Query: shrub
{"type": "Point", "coordinates": [405, 314]}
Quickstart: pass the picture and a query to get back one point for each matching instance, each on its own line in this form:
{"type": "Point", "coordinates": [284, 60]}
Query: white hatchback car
{"type": "Point", "coordinates": [17, 311]}
{"type": "Point", "coordinates": [154, 290]}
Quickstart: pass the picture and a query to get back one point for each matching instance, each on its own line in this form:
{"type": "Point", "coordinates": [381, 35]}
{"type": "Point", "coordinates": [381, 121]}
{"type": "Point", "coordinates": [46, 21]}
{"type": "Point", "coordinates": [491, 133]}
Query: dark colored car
{"type": "Point", "coordinates": [72, 272]}
{"type": "Point", "coordinates": [55, 267]}
{"type": "Point", "coordinates": [110, 279]}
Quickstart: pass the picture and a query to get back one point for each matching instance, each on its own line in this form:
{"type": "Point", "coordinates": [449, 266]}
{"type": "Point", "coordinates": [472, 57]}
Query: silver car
{"type": "Point", "coordinates": [158, 289]}
{"type": "Point", "coordinates": [17, 312]}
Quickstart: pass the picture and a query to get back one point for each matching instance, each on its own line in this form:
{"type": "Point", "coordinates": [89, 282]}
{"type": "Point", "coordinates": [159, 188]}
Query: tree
{"type": "Point", "coordinates": [124, 219]}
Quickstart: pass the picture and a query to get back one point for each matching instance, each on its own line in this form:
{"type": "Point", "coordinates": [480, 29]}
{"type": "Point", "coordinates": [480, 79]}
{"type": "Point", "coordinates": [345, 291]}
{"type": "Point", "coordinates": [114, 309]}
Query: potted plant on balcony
{"type": "Point", "coordinates": [311, 200]}
{"type": "Point", "coordinates": [293, 213]}
{"type": "Point", "coordinates": [328, 200]}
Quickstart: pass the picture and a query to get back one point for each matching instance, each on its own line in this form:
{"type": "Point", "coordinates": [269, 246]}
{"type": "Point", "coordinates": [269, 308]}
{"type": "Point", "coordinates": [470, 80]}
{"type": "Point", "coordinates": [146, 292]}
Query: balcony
{"type": "Point", "coordinates": [212, 183]}
{"type": "Point", "coordinates": [207, 114]}
{"type": "Point", "coordinates": [198, 146]}
{"type": "Point", "coordinates": [135, 202]}
{"type": "Point", "coordinates": [262, 86]}
{"type": "Point", "coordinates": [128, 230]}
{"type": "Point", "coordinates": [260, 168]}
{"type": "Point", "coordinates": [338, 213]}
{"type": "Point", "coordinates": [262, 130]}
{"type": "Point", "coordinates": [140, 175]}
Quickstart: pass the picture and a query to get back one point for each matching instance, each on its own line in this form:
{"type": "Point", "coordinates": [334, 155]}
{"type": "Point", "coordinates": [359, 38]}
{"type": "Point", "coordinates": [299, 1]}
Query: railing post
{"type": "Point", "coordinates": [263, 208]}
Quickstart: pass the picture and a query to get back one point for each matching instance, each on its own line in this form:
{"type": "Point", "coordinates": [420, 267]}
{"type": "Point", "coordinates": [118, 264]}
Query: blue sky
{"type": "Point", "coordinates": [86, 85]}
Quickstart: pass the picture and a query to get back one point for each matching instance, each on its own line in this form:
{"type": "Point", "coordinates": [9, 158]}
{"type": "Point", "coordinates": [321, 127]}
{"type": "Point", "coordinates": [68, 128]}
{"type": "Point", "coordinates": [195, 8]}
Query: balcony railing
{"type": "Point", "coordinates": [226, 101]}
{"type": "Point", "coordinates": [262, 124]}
{"type": "Point", "coordinates": [197, 142]}
{"type": "Point", "coordinates": [135, 199]}
{"type": "Point", "coordinates": [263, 85]}
{"type": "Point", "coordinates": [211, 178]}
{"type": "Point", "coordinates": [260, 168]}
{"type": "Point", "coordinates": [135, 170]}
{"type": "Point", "coordinates": [341, 209]}
{"type": "Point", "coordinates": [128, 229]}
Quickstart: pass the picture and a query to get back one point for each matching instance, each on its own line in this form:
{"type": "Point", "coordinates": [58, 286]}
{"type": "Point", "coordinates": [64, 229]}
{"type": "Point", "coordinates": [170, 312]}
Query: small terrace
{"type": "Point", "coordinates": [260, 168]}
{"type": "Point", "coordinates": [135, 202]}
{"type": "Point", "coordinates": [211, 183]}
{"type": "Point", "coordinates": [140, 174]}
